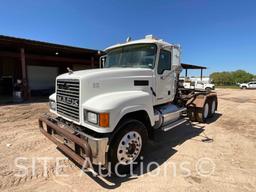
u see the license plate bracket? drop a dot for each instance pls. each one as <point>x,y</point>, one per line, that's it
<point>65,141</point>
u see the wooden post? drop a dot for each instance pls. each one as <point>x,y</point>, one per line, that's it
<point>1,69</point>
<point>201,74</point>
<point>92,62</point>
<point>186,73</point>
<point>24,74</point>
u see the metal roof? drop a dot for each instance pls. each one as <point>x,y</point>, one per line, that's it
<point>33,43</point>
<point>190,66</point>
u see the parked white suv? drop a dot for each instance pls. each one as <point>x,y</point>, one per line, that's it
<point>250,85</point>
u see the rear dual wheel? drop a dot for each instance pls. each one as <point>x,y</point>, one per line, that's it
<point>192,113</point>
<point>202,113</point>
<point>207,111</point>
<point>213,107</point>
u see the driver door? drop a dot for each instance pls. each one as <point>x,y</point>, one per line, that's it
<point>165,78</point>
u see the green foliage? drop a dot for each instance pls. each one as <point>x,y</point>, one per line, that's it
<point>231,78</point>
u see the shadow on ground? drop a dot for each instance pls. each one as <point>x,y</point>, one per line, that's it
<point>11,101</point>
<point>160,150</point>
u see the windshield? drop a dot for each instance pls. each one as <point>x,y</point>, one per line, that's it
<point>136,56</point>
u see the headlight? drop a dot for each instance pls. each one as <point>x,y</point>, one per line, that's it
<point>52,105</point>
<point>101,119</point>
<point>92,117</point>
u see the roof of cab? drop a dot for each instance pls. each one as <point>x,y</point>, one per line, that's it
<point>147,39</point>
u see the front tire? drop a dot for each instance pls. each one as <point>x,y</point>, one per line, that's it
<point>127,146</point>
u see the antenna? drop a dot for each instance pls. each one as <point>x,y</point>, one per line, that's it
<point>128,39</point>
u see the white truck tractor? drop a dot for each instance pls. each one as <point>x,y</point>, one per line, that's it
<point>106,115</point>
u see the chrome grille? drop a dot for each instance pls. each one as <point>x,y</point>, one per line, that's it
<point>68,98</point>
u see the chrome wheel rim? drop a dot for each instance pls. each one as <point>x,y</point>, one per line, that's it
<point>129,148</point>
<point>206,110</point>
<point>213,106</point>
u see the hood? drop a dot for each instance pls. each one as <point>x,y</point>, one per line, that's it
<point>100,81</point>
<point>106,72</point>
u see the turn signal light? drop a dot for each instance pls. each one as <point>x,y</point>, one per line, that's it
<point>104,120</point>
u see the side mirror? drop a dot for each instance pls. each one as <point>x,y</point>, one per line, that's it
<point>102,61</point>
<point>177,69</point>
<point>165,72</point>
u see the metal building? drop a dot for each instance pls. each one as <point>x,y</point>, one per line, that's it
<point>36,64</point>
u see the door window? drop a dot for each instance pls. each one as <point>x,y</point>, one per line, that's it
<point>164,61</point>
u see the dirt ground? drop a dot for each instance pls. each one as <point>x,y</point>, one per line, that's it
<point>226,146</point>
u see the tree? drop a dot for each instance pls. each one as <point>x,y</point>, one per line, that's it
<point>231,78</point>
<point>241,76</point>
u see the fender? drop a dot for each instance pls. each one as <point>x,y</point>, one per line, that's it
<point>118,104</point>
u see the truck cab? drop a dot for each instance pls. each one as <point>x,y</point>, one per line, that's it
<point>162,58</point>
<point>106,115</point>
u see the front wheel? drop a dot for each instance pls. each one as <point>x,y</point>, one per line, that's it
<point>127,146</point>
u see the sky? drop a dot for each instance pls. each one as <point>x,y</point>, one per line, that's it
<point>218,34</point>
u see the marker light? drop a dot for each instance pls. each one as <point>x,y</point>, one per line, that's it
<point>104,120</point>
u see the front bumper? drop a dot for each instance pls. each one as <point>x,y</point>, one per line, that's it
<point>75,144</point>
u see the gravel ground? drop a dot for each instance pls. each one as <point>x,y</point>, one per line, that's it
<point>219,155</point>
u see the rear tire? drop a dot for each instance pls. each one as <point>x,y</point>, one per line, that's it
<point>127,146</point>
<point>213,106</point>
<point>192,114</point>
<point>203,113</point>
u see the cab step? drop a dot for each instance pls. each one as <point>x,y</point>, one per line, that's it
<point>174,124</point>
